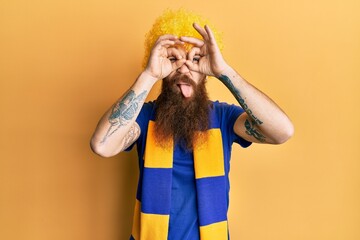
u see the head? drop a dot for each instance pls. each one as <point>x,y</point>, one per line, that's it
<point>182,107</point>
<point>179,23</point>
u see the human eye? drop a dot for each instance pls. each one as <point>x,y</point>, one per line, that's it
<point>172,59</point>
<point>196,59</point>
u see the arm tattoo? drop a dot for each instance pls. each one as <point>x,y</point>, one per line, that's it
<point>131,136</point>
<point>251,130</point>
<point>250,124</point>
<point>238,97</point>
<point>123,111</point>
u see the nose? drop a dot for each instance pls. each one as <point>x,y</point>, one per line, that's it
<point>183,69</point>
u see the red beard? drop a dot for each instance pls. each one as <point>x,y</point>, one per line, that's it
<point>183,119</point>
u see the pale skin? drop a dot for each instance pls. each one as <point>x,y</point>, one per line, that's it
<point>262,122</point>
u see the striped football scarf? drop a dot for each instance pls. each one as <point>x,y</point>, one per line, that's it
<point>152,212</point>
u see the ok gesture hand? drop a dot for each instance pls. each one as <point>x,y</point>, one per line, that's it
<point>211,61</point>
<point>159,66</point>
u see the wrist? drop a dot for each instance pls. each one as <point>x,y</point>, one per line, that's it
<point>148,76</point>
<point>226,71</point>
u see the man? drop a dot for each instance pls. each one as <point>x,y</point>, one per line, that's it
<point>183,139</point>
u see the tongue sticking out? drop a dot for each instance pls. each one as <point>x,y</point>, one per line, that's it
<point>186,90</point>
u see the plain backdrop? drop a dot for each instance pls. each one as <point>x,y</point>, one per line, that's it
<point>63,63</point>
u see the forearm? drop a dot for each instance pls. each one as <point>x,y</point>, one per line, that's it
<point>109,136</point>
<point>265,121</point>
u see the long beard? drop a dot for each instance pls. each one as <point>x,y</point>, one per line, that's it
<point>183,120</point>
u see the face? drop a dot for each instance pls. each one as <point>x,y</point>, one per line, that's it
<point>185,80</point>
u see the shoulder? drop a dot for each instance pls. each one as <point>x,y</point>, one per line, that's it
<point>215,105</point>
<point>225,108</point>
<point>148,108</point>
<point>149,105</point>
<point>223,114</point>
<point>147,113</point>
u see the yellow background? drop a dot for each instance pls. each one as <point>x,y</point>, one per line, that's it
<point>63,63</point>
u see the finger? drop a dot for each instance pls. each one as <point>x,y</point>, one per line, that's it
<point>167,37</point>
<point>171,42</point>
<point>194,51</point>
<point>201,31</point>
<point>211,35</point>
<point>165,43</point>
<point>174,52</point>
<point>192,66</point>
<point>194,41</point>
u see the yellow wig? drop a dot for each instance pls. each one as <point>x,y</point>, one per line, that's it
<point>179,23</point>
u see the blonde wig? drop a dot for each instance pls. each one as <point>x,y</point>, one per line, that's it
<point>178,23</point>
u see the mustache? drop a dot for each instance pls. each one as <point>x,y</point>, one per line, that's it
<point>181,78</point>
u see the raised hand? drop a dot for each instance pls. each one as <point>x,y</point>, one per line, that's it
<point>211,61</point>
<point>160,65</point>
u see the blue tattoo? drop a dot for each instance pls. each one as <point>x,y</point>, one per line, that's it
<point>252,131</point>
<point>226,80</point>
<point>123,111</point>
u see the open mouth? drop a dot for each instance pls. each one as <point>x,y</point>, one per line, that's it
<point>186,89</point>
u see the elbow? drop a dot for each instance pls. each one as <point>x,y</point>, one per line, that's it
<point>286,133</point>
<point>99,149</point>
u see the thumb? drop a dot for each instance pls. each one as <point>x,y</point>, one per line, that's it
<point>192,66</point>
